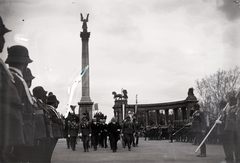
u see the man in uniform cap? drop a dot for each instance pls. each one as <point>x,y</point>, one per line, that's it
<point>85,133</point>
<point>127,131</point>
<point>73,130</point>
<point>11,131</point>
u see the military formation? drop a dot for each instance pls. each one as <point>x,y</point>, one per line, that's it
<point>30,125</point>
<point>97,133</point>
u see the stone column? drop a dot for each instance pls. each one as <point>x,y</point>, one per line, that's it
<point>184,113</point>
<point>175,111</point>
<point>166,115</point>
<point>85,61</point>
<point>85,104</point>
<point>158,117</point>
<point>147,118</point>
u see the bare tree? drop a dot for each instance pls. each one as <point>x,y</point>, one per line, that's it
<point>216,88</point>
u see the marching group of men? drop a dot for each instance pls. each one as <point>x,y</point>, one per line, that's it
<point>97,132</point>
<point>30,125</point>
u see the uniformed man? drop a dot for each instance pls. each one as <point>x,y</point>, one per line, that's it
<point>113,129</point>
<point>221,125</point>
<point>230,134</point>
<point>73,130</point>
<point>18,60</point>
<point>136,132</point>
<point>11,129</point>
<point>238,127</point>
<point>85,133</point>
<point>127,131</point>
<point>199,127</point>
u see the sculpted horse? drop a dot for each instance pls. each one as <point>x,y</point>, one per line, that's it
<point>116,96</point>
<point>125,96</point>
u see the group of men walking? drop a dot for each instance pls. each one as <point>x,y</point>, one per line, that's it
<point>97,132</point>
<point>30,126</point>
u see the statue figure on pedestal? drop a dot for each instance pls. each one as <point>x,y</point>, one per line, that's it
<point>84,26</point>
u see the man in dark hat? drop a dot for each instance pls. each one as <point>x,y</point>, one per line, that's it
<point>57,125</point>
<point>103,136</point>
<point>95,127</point>
<point>43,143</point>
<point>11,131</point>
<point>3,30</point>
<point>199,127</point>
<point>28,77</point>
<point>18,61</point>
<point>113,129</point>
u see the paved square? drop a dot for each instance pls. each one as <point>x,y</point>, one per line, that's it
<point>156,151</point>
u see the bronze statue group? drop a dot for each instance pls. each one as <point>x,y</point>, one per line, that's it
<point>30,125</point>
<point>97,132</point>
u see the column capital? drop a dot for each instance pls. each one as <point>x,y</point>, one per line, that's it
<point>85,35</point>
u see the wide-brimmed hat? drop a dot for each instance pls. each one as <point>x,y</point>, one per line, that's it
<point>3,29</point>
<point>18,54</point>
<point>39,92</point>
<point>52,98</point>
<point>27,75</point>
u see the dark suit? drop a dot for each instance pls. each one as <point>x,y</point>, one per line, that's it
<point>114,133</point>
<point>95,134</point>
<point>85,129</point>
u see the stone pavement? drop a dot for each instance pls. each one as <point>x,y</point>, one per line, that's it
<point>150,151</point>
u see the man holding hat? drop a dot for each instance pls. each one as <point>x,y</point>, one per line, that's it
<point>11,130</point>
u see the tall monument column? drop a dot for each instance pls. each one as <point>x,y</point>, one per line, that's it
<point>85,104</point>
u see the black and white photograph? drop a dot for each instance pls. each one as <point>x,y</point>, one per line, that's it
<point>119,81</point>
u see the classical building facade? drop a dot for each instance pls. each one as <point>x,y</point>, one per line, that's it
<point>162,112</point>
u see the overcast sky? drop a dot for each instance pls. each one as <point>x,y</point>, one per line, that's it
<point>156,49</point>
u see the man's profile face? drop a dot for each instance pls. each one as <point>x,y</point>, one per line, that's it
<point>2,42</point>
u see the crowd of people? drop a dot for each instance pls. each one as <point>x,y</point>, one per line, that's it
<point>30,125</point>
<point>97,132</point>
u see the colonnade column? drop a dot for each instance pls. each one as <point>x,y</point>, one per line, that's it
<point>158,117</point>
<point>147,117</point>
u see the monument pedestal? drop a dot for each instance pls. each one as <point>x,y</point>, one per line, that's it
<point>85,109</point>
